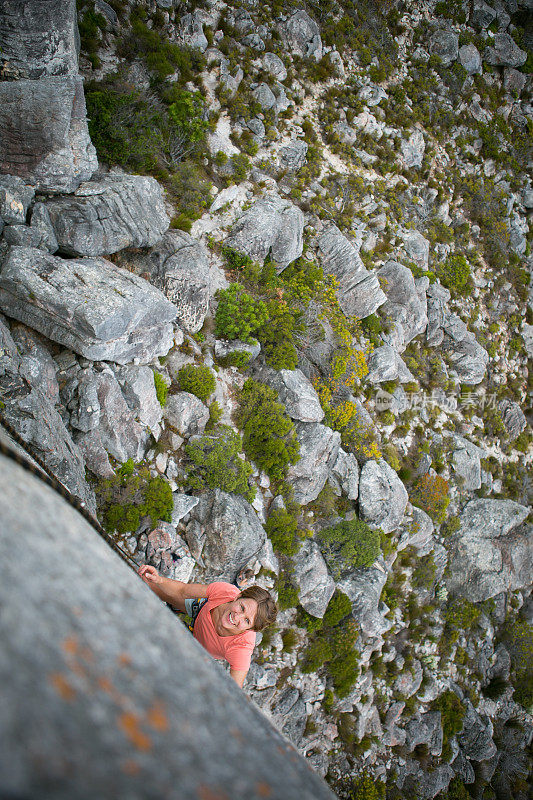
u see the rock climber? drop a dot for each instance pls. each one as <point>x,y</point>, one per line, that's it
<point>224,618</point>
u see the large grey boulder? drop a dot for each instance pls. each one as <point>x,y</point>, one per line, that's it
<point>301,35</point>
<point>109,214</point>
<point>319,448</point>
<point>425,729</point>
<point>475,740</point>
<point>513,418</point>
<point>292,156</point>
<point>467,463</point>
<point>233,534</point>
<point>358,292</point>
<point>468,358</point>
<point>42,226</point>
<point>178,265</point>
<point>406,308</point>
<point>312,579</point>
<point>96,309</point>
<point>271,225</point>
<point>482,14</point>
<point>273,64</point>
<point>296,392</point>
<point>138,388</point>
<point>382,496</point>
<point>364,587</point>
<point>344,476</point>
<point>103,685</point>
<point>417,248</point>
<point>29,392</point>
<point>470,59</point>
<point>38,39</point>
<point>264,95</point>
<point>15,199</point>
<point>505,52</point>
<point>437,309</point>
<point>52,150</point>
<point>186,413</point>
<point>445,45</point>
<point>490,553</point>
<point>192,30</point>
<point>385,364</point>
<point>413,149</point>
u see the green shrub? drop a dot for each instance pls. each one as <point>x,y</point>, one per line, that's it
<point>130,495</point>
<point>455,274</point>
<point>518,638</point>
<point>90,26</point>
<point>277,335</point>
<point>238,315</point>
<point>431,494</point>
<point>365,788</point>
<point>282,530</point>
<point>287,592</point>
<point>289,639</point>
<point>315,656</point>
<point>214,462</point>
<point>349,545</point>
<point>161,389</point>
<point>452,714</point>
<point>215,414</point>
<point>339,607</point>
<point>198,380</point>
<point>269,438</point>
<point>307,621</point>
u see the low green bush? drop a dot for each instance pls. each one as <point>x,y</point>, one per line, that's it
<point>214,463</point>
<point>349,545</point>
<point>431,494</point>
<point>130,495</point>
<point>268,433</point>
<point>198,380</point>
<point>339,607</point>
<point>455,274</point>
<point>161,389</point>
<point>238,314</point>
<point>287,592</point>
<point>282,530</point>
<point>452,713</point>
<point>518,638</point>
<point>277,335</point>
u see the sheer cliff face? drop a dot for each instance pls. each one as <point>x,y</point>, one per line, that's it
<point>317,374</point>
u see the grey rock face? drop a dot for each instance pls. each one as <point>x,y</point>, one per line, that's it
<point>372,95</point>
<point>426,729</point>
<point>294,726</point>
<point>293,155</point>
<point>470,59</point>
<point>513,81</point>
<point>183,503</point>
<point>438,298</point>
<point>468,357</point>
<point>445,45</point>
<point>179,266</point>
<point>230,82</point>
<point>319,447</point>
<point>138,388</point>
<point>359,292</point>
<point>40,224</point>
<point>466,463</point>
<point>409,682</point>
<point>513,418</point>
<point>107,215</point>
<point>233,534</point>
<point>21,236</point>
<point>301,34</point>
<point>186,413</point>
<point>345,475</point>
<point>427,785</point>
<point>192,31</point>
<point>38,39</point>
<point>29,394</point>
<point>311,577</point>
<point>490,553</point>
<point>475,740</point>
<point>273,64</point>
<point>505,52</point>
<point>51,151</point>
<point>482,14</point>
<point>118,634</point>
<point>364,587</point>
<point>382,496</point>
<point>15,199</point>
<point>385,364</point>
<point>413,149</point>
<point>270,224</point>
<point>417,248</point>
<point>405,307</point>
<point>168,553</point>
<point>94,308</point>
<point>264,95</point>
<point>224,348</point>
<point>297,394</point>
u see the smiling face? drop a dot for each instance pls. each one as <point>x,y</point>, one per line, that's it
<point>238,616</point>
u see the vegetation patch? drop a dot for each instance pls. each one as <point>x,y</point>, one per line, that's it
<point>214,463</point>
<point>198,380</point>
<point>349,545</point>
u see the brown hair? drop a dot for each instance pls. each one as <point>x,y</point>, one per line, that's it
<point>266,608</point>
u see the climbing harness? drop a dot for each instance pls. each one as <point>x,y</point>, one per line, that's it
<point>48,477</point>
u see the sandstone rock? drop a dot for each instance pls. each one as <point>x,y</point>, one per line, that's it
<point>88,305</point>
<point>467,356</point>
<point>470,59</point>
<point>445,45</point>
<point>417,248</point>
<point>425,729</point>
<point>385,364</point>
<point>37,365</point>
<point>168,553</point>
<point>466,462</point>
<point>264,95</point>
<point>233,534</point>
<point>345,475</point>
<point>359,292</point>
<point>413,149</point>
<point>409,682</point>
<point>438,298</point>
<point>192,31</point>
<point>311,577</point>
<point>505,52</point>
<point>109,214</point>
<point>138,389</point>
<point>482,15</point>
<point>301,35</point>
<point>51,151</point>
<point>273,64</point>
<point>297,394</point>
<point>382,496</point>
<point>38,39</point>
<point>186,413</point>
<point>513,418</point>
<point>475,740</point>
<point>490,553</point>
<point>364,587</point>
<point>272,225</point>
<point>183,504</point>
<point>42,226</point>
<point>405,307</point>
<point>319,447</point>
<point>292,156</point>
<point>294,726</point>
<point>15,199</point>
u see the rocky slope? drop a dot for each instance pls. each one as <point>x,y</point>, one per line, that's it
<point>283,326</point>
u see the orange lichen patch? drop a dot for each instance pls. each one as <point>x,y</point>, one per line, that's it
<point>156,717</point>
<point>124,660</point>
<point>70,645</point>
<point>130,767</point>
<point>87,654</point>
<point>62,686</point>
<point>206,793</point>
<point>105,685</point>
<point>236,733</point>
<point>131,727</point>
<point>263,789</point>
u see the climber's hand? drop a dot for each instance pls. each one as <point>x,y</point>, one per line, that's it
<point>150,574</point>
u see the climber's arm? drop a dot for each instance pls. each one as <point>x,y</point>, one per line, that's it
<point>238,676</point>
<point>173,592</point>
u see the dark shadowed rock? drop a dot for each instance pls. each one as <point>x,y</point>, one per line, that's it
<point>425,729</point>
<point>359,292</point>
<point>475,740</point>
<point>319,447</point>
<point>295,723</point>
<point>482,15</point>
<point>272,225</point>
<point>445,45</point>
<point>233,534</point>
<point>109,214</point>
<point>179,266</point>
<point>41,224</point>
<point>490,553</point>
<point>311,577</point>
<point>505,52</point>
<point>382,496</point>
<point>89,305</point>
<point>50,150</point>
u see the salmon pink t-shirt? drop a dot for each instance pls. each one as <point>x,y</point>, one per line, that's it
<point>236,650</point>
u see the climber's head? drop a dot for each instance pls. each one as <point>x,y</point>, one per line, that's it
<point>266,608</point>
